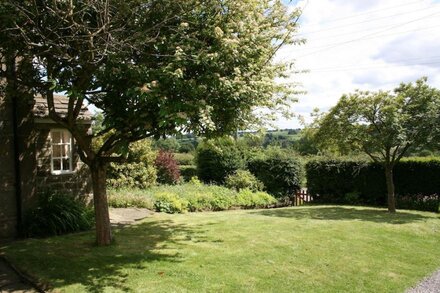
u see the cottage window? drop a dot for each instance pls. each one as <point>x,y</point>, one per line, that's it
<point>61,151</point>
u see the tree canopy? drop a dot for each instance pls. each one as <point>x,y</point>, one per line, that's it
<point>383,124</point>
<point>154,67</point>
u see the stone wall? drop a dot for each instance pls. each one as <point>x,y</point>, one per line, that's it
<point>76,184</point>
<point>8,208</point>
<point>34,168</point>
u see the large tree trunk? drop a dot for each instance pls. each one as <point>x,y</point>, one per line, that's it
<point>390,189</point>
<point>102,218</point>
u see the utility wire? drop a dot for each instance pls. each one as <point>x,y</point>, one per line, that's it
<point>335,69</point>
<point>369,12</point>
<point>369,35</point>
<point>366,21</point>
<point>367,38</point>
<point>430,58</point>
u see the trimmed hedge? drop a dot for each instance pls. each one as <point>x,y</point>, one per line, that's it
<point>184,159</point>
<point>280,173</point>
<point>217,158</point>
<point>188,172</point>
<point>417,183</point>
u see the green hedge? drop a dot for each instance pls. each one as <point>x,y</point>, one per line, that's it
<point>417,183</point>
<point>217,158</point>
<point>188,172</point>
<point>184,159</point>
<point>280,173</point>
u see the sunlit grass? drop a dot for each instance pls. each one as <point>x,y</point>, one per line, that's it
<point>305,249</point>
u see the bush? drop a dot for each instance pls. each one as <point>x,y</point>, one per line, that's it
<point>187,172</point>
<point>280,173</point>
<point>127,198</point>
<point>142,151</point>
<point>169,144</point>
<point>138,171</point>
<point>131,175</point>
<point>167,168</point>
<point>186,147</point>
<point>195,181</point>
<point>209,198</point>
<point>171,203</point>
<point>417,182</point>
<point>217,158</point>
<point>191,197</point>
<point>243,179</point>
<point>419,202</point>
<point>184,159</point>
<point>57,214</point>
<point>248,199</point>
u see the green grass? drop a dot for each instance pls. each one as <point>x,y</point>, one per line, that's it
<point>303,249</point>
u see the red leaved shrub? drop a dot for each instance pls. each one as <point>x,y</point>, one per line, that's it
<point>167,168</point>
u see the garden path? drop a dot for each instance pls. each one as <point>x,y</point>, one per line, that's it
<point>126,216</point>
<point>429,285</point>
<point>11,281</point>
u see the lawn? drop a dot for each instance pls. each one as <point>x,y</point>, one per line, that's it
<point>300,249</point>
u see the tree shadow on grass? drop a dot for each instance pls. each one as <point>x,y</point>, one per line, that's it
<point>344,213</point>
<point>74,259</point>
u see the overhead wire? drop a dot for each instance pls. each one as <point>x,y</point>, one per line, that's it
<point>368,20</point>
<point>369,12</point>
<point>335,69</point>
<point>367,38</point>
<point>368,35</point>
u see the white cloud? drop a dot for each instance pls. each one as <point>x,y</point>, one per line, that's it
<point>368,45</point>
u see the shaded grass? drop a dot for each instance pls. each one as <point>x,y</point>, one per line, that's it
<point>304,249</point>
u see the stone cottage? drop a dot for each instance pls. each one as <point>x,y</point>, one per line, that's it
<point>36,155</point>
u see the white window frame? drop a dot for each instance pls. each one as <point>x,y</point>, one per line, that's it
<point>70,157</point>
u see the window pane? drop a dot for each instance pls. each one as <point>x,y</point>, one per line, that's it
<point>66,137</point>
<point>56,136</point>
<point>66,151</point>
<point>61,150</point>
<point>66,164</point>
<point>56,150</point>
<point>56,164</point>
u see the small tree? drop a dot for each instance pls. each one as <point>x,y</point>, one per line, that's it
<point>384,125</point>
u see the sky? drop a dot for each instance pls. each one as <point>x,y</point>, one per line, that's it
<point>358,44</point>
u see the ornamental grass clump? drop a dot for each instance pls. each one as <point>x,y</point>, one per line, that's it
<point>57,214</point>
